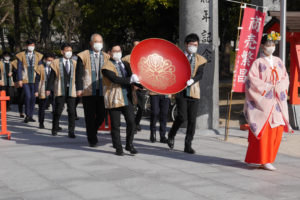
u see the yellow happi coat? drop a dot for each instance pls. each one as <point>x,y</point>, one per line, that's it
<point>42,84</point>
<point>3,78</point>
<point>195,88</point>
<point>87,76</point>
<point>113,94</point>
<point>22,58</point>
<point>57,83</point>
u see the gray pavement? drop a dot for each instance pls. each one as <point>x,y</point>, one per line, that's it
<point>36,165</point>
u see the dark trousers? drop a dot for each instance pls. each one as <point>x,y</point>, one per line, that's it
<point>94,114</point>
<point>21,99</point>
<point>115,115</point>
<point>141,101</point>
<point>43,103</point>
<point>187,110</point>
<point>29,99</point>
<point>76,104</point>
<point>9,90</point>
<point>159,109</point>
<point>59,106</point>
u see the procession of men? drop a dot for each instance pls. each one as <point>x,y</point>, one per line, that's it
<point>106,85</point>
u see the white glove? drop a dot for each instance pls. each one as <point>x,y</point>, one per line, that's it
<point>134,79</point>
<point>190,82</point>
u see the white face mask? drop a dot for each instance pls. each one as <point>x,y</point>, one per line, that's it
<point>30,48</point>
<point>117,56</point>
<point>98,46</point>
<point>68,54</point>
<point>192,49</point>
<point>269,50</point>
<point>6,58</point>
<point>48,63</point>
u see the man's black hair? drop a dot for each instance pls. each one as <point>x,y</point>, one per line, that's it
<point>48,55</point>
<point>193,37</point>
<point>6,53</point>
<point>113,44</point>
<point>64,45</point>
<point>30,41</point>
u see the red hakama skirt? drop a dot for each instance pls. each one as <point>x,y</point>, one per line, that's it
<point>264,149</point>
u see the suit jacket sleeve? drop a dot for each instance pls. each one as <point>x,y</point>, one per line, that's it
<point>51,80</point>
<point>79,74</point>
<point>114,78</point>
<point>19,72</point>
<point>199,73</point>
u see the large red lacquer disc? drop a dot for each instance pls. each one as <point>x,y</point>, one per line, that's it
<point>160,65</point>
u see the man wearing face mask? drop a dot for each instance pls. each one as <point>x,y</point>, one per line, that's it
<point>117,79</point>
<point>89,86</point>
<point>188,99</point>
<point>266,109</point>
<point>6,76</point>
<point>28,61</point>
<point>43,73</point>
<point>62,82</point>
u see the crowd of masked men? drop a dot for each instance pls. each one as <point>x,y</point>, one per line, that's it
<point>105,83</point>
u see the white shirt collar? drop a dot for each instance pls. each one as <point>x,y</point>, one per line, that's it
<point>64,60</point>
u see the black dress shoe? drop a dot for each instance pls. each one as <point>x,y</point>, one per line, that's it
<point>71,135</point>
<point>26,120</point>
<point>119,151</point>
<point>152,137</point>
<point>131,149</point>
<point>22,115</point>
<point>93,144</point>
<point>189,149</point>
<point>163,140</point>
<point>138,128</point>
<point>59,128</point>
<point>170,142</point>
<point>42,126</point>
<point>31,119</point>
<point>54,132</point>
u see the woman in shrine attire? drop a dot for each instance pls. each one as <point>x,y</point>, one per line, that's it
<point>265,106</point>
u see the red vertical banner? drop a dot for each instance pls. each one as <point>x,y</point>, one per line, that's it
<point>248,47</point>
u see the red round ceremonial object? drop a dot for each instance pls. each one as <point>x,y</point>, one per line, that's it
<point>160,65</point>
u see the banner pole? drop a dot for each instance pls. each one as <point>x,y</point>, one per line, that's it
<point>231,92</point>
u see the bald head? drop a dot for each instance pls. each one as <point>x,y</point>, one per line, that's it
<point>96,42</point>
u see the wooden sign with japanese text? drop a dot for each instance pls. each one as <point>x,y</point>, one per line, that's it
<point>248,47</point>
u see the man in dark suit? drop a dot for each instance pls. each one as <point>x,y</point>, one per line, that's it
<point>62,82</point>
<point>117,79</point>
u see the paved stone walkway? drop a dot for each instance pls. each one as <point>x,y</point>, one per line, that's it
<point>35,165</point>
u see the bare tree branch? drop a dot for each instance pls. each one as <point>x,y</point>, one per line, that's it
<point>4,18</point>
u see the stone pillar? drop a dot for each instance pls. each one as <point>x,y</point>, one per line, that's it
<point>201,17</point>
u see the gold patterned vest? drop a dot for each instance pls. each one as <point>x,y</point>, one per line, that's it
<point>55,65</point>
<point>4,74</point>
<point>113,94</point>
<point>85,56</point>
<point>194,90</point>
<point>22,58</point>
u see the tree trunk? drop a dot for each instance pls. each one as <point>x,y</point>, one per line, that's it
<point>17,33</point>
<point>2,39</point>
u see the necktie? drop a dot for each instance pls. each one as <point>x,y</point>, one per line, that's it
<point>97,65</point>
<point>67,67</point>
<point>123,71</point>
<point>190,57</point>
